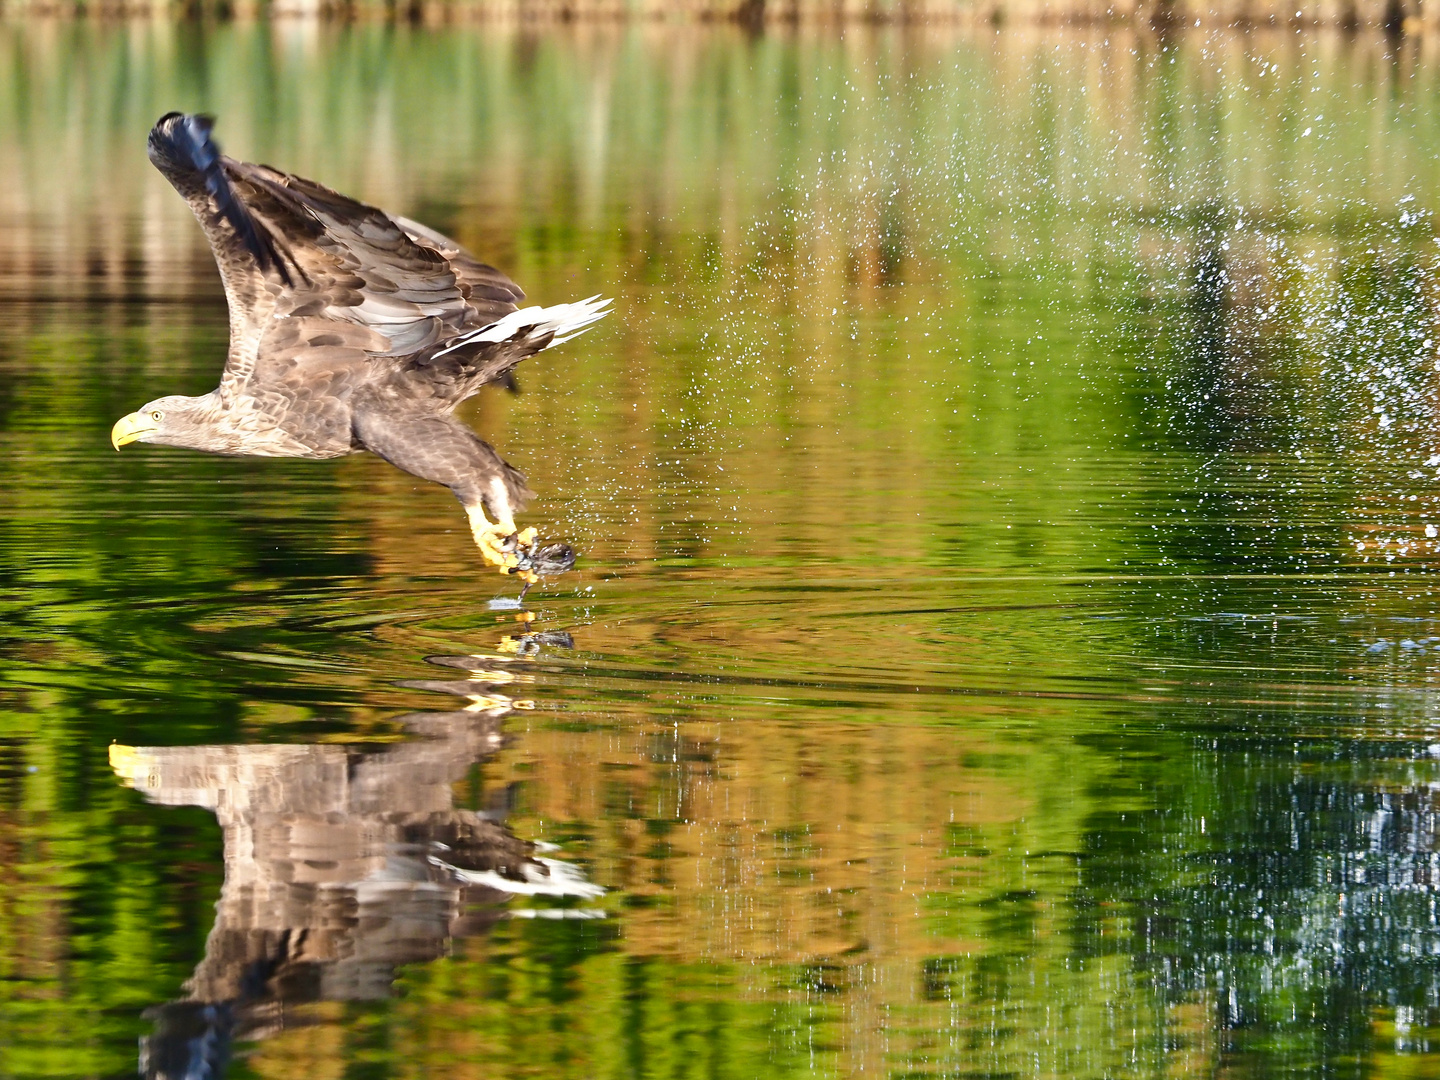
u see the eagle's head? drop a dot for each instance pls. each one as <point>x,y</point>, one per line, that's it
<point>169,421</point>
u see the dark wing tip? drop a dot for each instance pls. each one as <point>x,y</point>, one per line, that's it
<point>181,142</point>
<point>181,139</point>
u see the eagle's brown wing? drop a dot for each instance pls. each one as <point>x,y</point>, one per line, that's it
<point>321,287</point>
<point>490,292</point>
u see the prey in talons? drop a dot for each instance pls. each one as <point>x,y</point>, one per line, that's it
<point>518,551</point>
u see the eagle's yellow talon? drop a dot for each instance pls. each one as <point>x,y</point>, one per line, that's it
<point>492,538</point>
<point>503,546</point>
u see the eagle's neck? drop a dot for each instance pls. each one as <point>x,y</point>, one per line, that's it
<point>191,422</point>
<point>209,408</point>
<point>236,425</point>
<point>209,423</point>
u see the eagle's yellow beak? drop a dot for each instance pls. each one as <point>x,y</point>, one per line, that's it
<point>127,762</point>
<point>129,428</point>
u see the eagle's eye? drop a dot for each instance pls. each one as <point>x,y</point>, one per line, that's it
<point>157,415</point>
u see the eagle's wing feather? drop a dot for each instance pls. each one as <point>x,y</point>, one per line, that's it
<point>491,293</point>
<point>320,286</point>
<point>246,250</point>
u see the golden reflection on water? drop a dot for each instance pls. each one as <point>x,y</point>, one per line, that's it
<point>845,858</point>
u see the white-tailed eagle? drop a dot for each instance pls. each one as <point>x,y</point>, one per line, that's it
<point>352,329</point>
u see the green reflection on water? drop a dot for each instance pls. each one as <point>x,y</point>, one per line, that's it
<point>1004,640</point>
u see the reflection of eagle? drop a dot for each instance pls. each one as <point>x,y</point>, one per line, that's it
<point>341,864</point>
<point>351,330</point>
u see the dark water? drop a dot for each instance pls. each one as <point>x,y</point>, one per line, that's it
<point>1006,639</point>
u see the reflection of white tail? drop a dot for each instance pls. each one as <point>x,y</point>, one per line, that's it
<point>565,321</point>
<point>313,789</point>
<point>563,879</point>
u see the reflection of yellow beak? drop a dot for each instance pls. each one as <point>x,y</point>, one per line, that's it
<point>129,763</point>
<point>129,428</point>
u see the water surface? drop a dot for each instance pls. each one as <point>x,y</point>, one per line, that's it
<point>1005,639</point>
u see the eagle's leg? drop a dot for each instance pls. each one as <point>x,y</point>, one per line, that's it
<point>440,448</point>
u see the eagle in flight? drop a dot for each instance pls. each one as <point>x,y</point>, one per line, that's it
<point>352,329</point>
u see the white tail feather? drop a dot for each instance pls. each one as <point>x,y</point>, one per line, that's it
<point>557,878</point>
<point>565,320</point>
